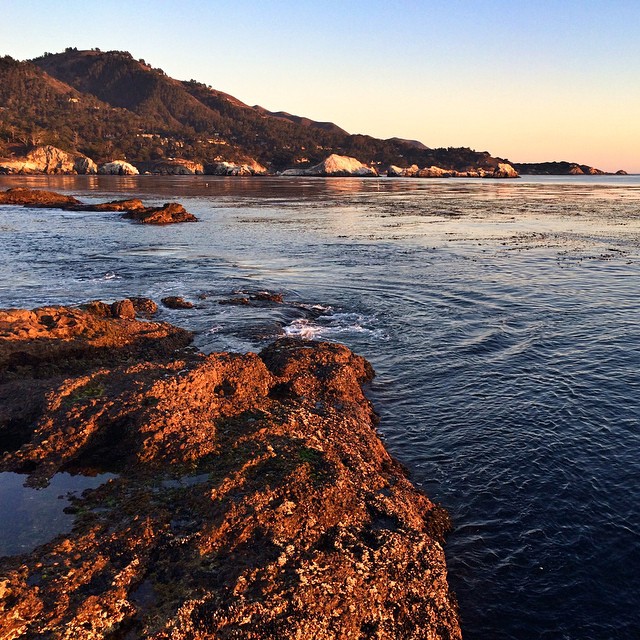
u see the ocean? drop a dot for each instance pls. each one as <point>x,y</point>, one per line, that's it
<point>502,318</point>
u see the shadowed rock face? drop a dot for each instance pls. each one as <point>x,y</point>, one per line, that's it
<point>253,497</point>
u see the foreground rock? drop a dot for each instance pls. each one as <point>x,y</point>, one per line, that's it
<point>253,498</point>
<point>132,209</point>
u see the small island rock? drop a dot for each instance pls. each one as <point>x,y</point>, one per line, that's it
<point>118,168</point>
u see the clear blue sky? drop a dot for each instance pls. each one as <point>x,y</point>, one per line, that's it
<point>528,80</point>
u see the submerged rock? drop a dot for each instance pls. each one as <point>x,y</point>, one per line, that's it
<point>253,496</point>
<point>132,204</point>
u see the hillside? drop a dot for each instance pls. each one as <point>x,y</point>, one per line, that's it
<point>107,105</point>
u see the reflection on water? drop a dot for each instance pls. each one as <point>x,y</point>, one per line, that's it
<point>35,516</point>
<point>502,320</point>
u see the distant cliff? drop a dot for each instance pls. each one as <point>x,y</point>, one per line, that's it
<point>107,105</point>
<point>558,169</point>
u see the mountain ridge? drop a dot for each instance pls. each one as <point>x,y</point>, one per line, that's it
<point>108,105</point>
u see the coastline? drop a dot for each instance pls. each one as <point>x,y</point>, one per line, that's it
<point>251,493</point>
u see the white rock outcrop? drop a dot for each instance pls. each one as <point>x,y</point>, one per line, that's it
<point>335,165</point>
<point>118,168</point>
<point>250,168</point>
<point>434,172</point>
<point>505,170</point>
<point>49,159</point>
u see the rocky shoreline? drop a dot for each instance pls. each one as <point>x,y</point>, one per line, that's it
<point>251,495</point>
<point>50,160</point>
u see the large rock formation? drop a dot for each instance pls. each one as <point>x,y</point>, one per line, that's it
<point>49,159</point>
<point>118,168</point>
<point>505,170</point>
<point>252,496</point>
<point>224,168</point>
<point>335,165</point>
<point>178,167</point>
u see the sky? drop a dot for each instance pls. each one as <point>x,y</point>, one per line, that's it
<point>527,80</point>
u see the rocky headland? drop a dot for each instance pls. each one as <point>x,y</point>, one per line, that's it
<point>131,209</point>
<point>250,495</point>
<point>561,168</point>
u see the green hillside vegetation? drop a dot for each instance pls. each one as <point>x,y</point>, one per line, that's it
<point>108,105</point>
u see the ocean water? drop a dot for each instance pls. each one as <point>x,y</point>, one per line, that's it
<point>502,318</point>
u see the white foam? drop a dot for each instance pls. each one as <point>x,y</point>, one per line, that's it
<point>334,325</point>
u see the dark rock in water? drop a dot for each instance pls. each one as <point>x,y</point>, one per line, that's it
<point>253,496</point>
<point>169,213</point>
<point>36,197</point>
<point>144,306</point>
<point>134,209</point>
<point>176,302</point>
<point>260,296</point>
<point>621,172</point>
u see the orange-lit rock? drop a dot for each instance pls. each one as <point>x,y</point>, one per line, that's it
<point>253,498</point>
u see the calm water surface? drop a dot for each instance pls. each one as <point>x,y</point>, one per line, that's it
<point>502,318</point>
